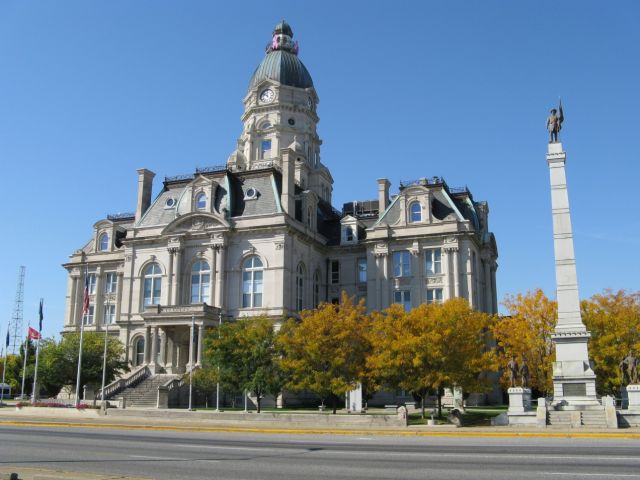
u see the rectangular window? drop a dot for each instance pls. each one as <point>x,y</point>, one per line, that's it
<point>403,297</point>
<point>362,270</point>
<point>402,263</point>
<point>434,295</point>
<point>92,284</point>
<point>88,318</point>
<point>433,257</point>
<point>335,272</point>
<point>111,283</point>
<point>265,149</point>
<point>109,314</point>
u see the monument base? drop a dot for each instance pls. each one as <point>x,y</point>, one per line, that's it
<point>519,399</point>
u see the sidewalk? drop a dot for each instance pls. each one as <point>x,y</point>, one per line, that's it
<point>209,421</point>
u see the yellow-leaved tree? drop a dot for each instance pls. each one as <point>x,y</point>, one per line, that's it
<point>432,347</point>
<point>324,352</point>
<point>527,332</point>
<point>614,322</point>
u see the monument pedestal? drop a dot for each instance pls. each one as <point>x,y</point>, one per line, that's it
<point>519,412</point>
<point>519,399</point>
<point>633,398</point>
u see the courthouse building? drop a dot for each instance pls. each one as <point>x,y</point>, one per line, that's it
<point>259,235</point>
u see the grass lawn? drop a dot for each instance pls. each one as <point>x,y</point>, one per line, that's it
<point>473,416</point>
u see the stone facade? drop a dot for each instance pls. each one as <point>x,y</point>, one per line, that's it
<point>259,236</point>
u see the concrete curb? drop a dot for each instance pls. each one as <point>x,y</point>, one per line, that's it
<point>409,431</point>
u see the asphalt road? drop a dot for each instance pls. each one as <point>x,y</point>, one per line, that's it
<point>184,455</point>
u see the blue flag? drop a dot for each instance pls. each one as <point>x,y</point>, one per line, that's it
<point>7,337</point>
<point>41,315</point>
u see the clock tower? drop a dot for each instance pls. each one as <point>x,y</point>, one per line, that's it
<point>280,113</point>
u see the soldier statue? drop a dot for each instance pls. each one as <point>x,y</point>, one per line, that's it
<point>554,123</point>
<point>632,368</point>
<point>513,370</point>
<point>524,373</point>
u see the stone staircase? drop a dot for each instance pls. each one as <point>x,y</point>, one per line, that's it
<point>577,418</point>
<point>145,393</point>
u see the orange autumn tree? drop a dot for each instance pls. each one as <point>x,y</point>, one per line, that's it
<point>324,352</point>
<point>432,347</point>
<point>527,332</point>
<point>614,322</point>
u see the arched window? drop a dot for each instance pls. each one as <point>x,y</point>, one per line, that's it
<point>300,287</point>
<point>415,212</point>
<point>103,242</point>
<point>252,282</point>
<point>152,284</point>
<point>201,201</point>
<point>316,289</point>
<point>138,354</point>
<point>200,279</point>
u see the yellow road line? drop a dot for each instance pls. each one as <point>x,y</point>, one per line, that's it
<point>407,433</point>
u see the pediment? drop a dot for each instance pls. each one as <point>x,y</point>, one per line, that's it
<point>196,222</point>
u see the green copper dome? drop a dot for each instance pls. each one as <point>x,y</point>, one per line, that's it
<point>281,62</point>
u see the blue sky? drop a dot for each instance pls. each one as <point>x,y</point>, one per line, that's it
<point>90,91</point>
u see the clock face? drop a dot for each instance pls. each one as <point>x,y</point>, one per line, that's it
<point>310,103</point>
<point>267,96</point>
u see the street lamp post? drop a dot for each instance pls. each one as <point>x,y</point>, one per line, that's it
<point>103,404</point>
<point>218,382</point>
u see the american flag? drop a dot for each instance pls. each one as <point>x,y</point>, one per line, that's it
<point>85,298</point>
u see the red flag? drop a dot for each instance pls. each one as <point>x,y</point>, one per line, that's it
<point>33,334</point>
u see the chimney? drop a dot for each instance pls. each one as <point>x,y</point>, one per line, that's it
<point>383,195</point>
<point>288,185</point>
<point>145,186</point>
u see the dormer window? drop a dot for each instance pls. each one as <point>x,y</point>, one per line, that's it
<point>348,233</point>
<point>103,242</point>
<point>415,212</point>
<point>201,201</point>
<point>265,149</point>
<point>266,125</point>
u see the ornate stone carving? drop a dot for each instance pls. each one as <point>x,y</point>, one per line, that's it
<point>381,249</point>
<point>197,224</point>
<point>434,280</point>
<point>279,245</point>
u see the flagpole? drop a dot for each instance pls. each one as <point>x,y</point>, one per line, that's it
<point>4,371</point>
<point>25,351</point>
<point>34,394</point>
<point>85,312</point>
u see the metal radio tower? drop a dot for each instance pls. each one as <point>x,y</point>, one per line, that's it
<point>15,324</point>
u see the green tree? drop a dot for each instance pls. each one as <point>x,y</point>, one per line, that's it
<point>59,361</point>
<point>614,322</point>
<point>243,355</point>
<point>325,351</point>
<point>15,365</point>
<point>526,331</point>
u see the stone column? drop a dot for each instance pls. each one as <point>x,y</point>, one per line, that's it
<point>177,272</point>
<point>147,336</point>
<point>212,275</point>
<point>378,282</point>
<point>163,347</point>
<point>170,279</point>
<point>199,353</point>
<point>494,290</point>
<point>456,273</point>
<point>220,278</point>
<point>118,296</point>
<point>154,350</point>
<point>98,307</point>
<point>488,287</point>
<point>573,377</point>
<point>74,306</point>
<point>470,272</point>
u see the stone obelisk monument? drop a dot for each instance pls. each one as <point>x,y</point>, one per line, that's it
<point>574,382</point>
